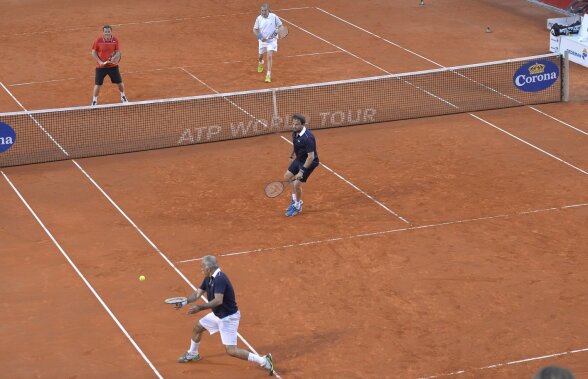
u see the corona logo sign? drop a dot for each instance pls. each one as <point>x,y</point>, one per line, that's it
<point>7,137</point>
<point>536,76</point>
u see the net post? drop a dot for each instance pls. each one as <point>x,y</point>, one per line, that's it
<point>566,77</point>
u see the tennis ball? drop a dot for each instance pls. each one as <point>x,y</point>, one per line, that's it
<point>142,278</point>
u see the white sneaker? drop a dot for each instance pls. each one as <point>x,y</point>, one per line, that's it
<point>94,103</point>
<point>123,99</point>
<point>269,364</point>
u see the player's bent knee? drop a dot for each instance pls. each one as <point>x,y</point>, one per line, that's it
<point>231,350</point>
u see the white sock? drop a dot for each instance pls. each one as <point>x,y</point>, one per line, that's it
<point>269,73</point>
<point>294,197</point>
<point>95,98</point>
<point>122,94</point>
<point>256,358</point>
<point>193,347</point>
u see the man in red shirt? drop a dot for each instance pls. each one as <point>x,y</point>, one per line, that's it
<point>106,52</point>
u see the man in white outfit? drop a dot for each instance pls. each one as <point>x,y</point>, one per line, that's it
<point>266,29</point>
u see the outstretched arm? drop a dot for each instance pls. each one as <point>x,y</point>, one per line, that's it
<point>218,300</point>
<point>195,296</point>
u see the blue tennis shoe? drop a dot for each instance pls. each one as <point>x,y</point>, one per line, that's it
<point>293,211</point>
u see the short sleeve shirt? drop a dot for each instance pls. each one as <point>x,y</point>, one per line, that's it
<point>104,49</point>
<point>304,143</point>
<point>219,283</point>
<point>268,26</point>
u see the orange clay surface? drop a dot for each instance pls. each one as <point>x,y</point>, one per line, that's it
<point>489,267</point>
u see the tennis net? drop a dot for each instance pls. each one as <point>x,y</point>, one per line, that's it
<point>69,133</point>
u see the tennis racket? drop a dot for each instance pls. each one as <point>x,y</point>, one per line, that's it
<point>115,57</point>
<point>281,33</point>
<point>274,189</point>
<point>178,301</point>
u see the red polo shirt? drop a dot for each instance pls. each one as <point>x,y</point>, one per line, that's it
<point>104,49</point>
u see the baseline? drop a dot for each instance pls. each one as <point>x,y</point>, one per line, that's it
<point>496,365</point>
<point>146,22</point>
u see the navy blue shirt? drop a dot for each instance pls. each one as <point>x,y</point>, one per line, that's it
<point>304,144</point>
<point>220,284</point>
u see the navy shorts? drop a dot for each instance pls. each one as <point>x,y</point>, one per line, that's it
<point>295,168</point>
<point>112,72</point>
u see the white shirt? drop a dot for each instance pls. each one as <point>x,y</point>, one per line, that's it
<point>267,26</point>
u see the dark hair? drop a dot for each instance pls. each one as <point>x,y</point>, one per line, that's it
<point>299,117</point>
<point>107,27</point>
<point>554,372</point>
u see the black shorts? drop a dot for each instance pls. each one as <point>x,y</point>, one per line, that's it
<point>295,168</point>
<point>112,72</point>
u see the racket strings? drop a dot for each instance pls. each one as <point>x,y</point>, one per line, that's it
<point>274,189</point>
<point>175,300</point>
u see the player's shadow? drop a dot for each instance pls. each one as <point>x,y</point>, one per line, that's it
<point>301,346</point>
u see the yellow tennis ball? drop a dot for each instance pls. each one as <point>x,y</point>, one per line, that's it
<point>142,278</point>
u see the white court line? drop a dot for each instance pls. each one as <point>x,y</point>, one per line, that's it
<point>336,174</point>
<point>35,120</point>
<point>288,56</point>
<point>389,231</point>
<point>169,262</point>
<point>146,22</point>
<point>153,245</point>
<point>359,190</point>
<point>163,69</point>
<point>309,54</point>
<point>86,282</point>
<point>371,64</point>
<point>560,121</point>
<point>433,62</point>
<point>551,155</point>
<point>530,144</point>
<point>506,363</point>
<point>382,38</point>
<point>225,98</point>
<point>471,114</point>
<point>42,82</point>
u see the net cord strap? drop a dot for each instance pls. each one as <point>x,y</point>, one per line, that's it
<point>278,89</point>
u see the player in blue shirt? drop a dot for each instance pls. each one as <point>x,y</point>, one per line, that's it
<point>224,317</point>
<point>303,160</point>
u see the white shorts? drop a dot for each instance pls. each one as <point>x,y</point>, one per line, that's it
<point>228,326</point>
<point>271,45</point>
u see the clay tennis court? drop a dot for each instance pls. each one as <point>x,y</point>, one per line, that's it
<point>451,246</point>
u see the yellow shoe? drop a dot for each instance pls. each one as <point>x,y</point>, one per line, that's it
<point>260,67</point>
<point>268,79</point>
